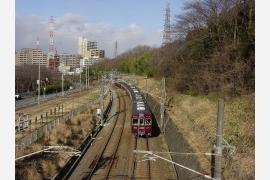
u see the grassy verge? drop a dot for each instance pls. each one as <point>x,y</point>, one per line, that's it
<point>195,117</point>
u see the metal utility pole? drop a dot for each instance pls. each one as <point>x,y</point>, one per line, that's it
<point>101,98</point>
<point>85,77</point>
<point>115,49</point>
<point>38,81</point>
<point>37,44</point>
<point>62,82</point>
<point>80,79</point>
<point>146,88</point>
<point>88,83</point>
<point>86,73</point>
<point>162,105</point>
<point>44,89</point>
<point>219,139</point>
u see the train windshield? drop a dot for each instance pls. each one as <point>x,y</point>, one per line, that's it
<point>147,121</point>
<point>141,121</point>
<point>135,121</point>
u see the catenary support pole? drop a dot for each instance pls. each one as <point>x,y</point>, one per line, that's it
<point>162,105</point>
<point>62,83</point>
<point>219,138</point>
<point>101,100</point>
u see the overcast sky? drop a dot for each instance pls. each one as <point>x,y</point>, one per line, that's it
<point>129,22</point>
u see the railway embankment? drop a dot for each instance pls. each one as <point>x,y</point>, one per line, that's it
<point>195,117</point>
<point>176,143</point>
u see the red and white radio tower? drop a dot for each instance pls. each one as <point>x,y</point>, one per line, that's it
<point>51,38</point>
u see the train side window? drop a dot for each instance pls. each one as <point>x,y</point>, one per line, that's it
<point>141,121</point>
<point>135,121</point>
<point>148,121</point>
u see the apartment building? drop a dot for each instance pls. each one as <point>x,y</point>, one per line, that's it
<point>31,56</point>
<point>95,53</point>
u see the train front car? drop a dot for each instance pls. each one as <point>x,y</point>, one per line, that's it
<point>141,116</point>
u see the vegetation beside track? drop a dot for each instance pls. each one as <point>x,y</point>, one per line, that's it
<point>195,117</point>
<point>71,134</point>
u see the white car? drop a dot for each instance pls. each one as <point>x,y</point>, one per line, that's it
<point>18,97</point>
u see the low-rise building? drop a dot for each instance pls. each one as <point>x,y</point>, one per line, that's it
<point>71,60</point>
<point>96,53</point>
<point>89,61</point>
<point>55,62</point>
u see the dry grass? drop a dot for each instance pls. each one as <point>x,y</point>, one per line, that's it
<point>70,102</point>
<point>70,134</point>
<point>195,117</point>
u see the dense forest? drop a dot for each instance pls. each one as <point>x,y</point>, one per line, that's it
<point>213,50</point>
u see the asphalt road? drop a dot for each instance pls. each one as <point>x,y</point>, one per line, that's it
<point>29,101</point>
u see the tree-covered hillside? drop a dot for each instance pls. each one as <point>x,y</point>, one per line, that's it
<point>214,50</point>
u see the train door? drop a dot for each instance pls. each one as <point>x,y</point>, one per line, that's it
<point>141,128</point>
<point>135,125</point>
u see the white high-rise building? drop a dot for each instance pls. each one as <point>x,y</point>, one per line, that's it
<point>88,50</point>
<point>82,50</point>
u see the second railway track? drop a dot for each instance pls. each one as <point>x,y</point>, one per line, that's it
<point>106,158</point>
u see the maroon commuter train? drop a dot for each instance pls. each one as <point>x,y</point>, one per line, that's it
<point>141,117</point>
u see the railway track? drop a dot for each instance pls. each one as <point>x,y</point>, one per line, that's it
<point>110,149</point>
<point>100,157</point>
<point>141,166</point>
<point>111,155</point>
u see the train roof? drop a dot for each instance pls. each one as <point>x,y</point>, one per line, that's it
<point>139,103</point>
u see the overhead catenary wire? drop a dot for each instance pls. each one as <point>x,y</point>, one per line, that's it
<point>183,153</point>
<point>49,149</point>
<point>177,164</point>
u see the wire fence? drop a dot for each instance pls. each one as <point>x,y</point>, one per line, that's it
<point>47,127</point>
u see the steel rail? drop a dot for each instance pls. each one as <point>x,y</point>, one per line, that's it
<point>97,160</point>
<point>118,142</point>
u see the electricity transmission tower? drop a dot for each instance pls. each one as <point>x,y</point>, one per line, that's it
<point>167,26</point>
